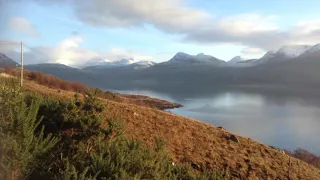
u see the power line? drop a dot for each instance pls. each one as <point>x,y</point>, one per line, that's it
<point>9,42</point>
<point>37,51</point>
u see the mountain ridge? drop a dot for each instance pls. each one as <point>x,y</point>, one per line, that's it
<point>193,71</point>
<point>201,58</point>
<point>5,61</point>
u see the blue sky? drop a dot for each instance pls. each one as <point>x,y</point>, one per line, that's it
<point>77,33</point>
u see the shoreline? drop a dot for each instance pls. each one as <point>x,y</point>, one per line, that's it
<point>151,102</point>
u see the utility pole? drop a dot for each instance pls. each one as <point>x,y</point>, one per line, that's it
<point>21,78</point>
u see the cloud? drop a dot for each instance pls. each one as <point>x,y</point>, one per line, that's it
<point>68,52</point>
<point>23,26</point>
<point>305,32</point>
<point>193,24</point>
<point>4,13</point>
<point>117,54</point>
<point>167,15</point>
<point>248,30</point>
<point>249,53</point>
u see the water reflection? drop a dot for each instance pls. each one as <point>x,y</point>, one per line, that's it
<point>282,121</point>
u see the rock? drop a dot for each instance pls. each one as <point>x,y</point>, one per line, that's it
<point>234,138</point>
<point>196,166</point>
<point>77,103</point>
<point>272,147</point>
<point>221,128</point>
<point>135,114</point>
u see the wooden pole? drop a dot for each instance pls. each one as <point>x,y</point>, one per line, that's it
<point>21,78</point>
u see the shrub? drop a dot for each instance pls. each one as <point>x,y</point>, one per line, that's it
<point>83,116</point>
<point>116,157</point>
<point>23,145</point>
<point>9,70</point>
<point>306,156</point>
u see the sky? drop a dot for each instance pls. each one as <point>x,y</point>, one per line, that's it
<point>81,33</point>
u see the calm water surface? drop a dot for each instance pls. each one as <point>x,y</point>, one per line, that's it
<point>284,122</point>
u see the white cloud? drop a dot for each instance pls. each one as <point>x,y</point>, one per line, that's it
<point>69,52</point>
<point>167,15</point>
<point>172,16</point>
<point>248,53</point>
<point>246,24</point>
<point>193,24</point>
<point>4,14</point>
<point>23,26</point>
<point>117,54</point>
<point>176,16</point>
<point>251,30</point>
<point>306,27</point>
<point>305,32</point>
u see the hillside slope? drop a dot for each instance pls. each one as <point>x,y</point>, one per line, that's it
<point>5,61</point>
<point>203,145</point>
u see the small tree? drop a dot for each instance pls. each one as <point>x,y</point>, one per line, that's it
<point>23,144</point>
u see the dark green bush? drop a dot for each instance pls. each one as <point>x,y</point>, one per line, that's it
<point>23,145</point>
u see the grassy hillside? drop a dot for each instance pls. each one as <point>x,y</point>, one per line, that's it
<point>192,143</point>
<point>48,137</point>
<point>75,86</point>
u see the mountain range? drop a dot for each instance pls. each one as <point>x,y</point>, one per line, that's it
<point>123,63</point>
<point>291,67</point>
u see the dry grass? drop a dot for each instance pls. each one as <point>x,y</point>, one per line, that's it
<point>60,84</point>
<point>148,101</point>
<point>196,142</point>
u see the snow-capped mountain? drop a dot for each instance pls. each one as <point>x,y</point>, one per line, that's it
<point>121,62</point>
<point>269,55</point>
<point>186,59</point>
<point>142,64</point>
<point>312,51</point>
<point>145,63</point>
<point>124,64</point>
<point>283,54</point>
<point>181,56</point>
<point>235,60</point>
<point>110,64</point>
<point>293,51</point>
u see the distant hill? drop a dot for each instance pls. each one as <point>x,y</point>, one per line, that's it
<point>7,62</point>
<point>64,72</point>
<point>291,66</point>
